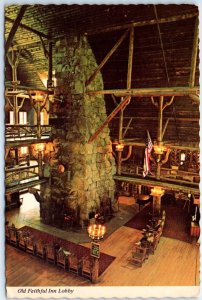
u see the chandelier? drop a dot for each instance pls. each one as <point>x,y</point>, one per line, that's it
<point>96,231</point>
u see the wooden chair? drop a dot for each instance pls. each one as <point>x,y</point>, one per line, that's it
<point>7,233</point>
<point>86,267</point>
<point>61,258</point>
<point>30,245</point>
<point>146,244</point>
<point>13,236</point>
<point>40,249</point>
<point>21,240</point>
<point>154,243</point>
<point>138,256</point>
<point>74,263</point>
<point>51,253</point>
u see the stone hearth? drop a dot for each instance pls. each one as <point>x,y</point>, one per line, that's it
<point>84,182</point>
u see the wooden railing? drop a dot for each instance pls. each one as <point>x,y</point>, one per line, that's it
<point>23,132</point>
<point>20,175</point>
<point>174,175</point>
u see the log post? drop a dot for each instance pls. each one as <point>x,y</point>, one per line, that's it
<point>120,139</point>
<point>159,135</point>
<point>130,58</point>
<point>194,54</point>
<point>13,61</point>
<point>160,120</point>
<point>40,164</point>
<point>50,65</point>
<point>157,205</point>
<point>38,117</point>
<point>157,192</point>
<point>95,270</point>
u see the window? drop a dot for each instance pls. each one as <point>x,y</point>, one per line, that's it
<point>11,117</point>
<point>23,117</point>
<point>42,118</point>
<point>24,150</point>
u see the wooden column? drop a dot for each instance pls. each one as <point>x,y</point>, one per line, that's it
<point>13,61</point>
<point>95,270</point>
<point>38,117</point>
<point>40,164</point>
<point>129,79</point>
<point>159,135</point>
<point>50,65</point>
<point>15,27</point>
<point>157,193</point>
<point>120,139</point>
<point>194,55</point>
<point>130,58</point>
<point>157,205</point>
<point>160,120</point>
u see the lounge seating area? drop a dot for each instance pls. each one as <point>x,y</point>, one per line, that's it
<point>149,242</point>
<point>51,252</point>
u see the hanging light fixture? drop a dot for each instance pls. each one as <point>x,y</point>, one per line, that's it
<point>96,231</point>
<point>119,147</point>
<point>157,191</point>
<point>159,148</point>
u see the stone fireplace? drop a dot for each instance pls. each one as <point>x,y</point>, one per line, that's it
<point>81,173</point>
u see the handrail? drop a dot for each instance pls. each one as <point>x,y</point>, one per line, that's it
<point>15,176</point>
<point>23,131</point>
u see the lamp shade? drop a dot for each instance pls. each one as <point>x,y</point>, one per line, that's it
<point>61,169</point>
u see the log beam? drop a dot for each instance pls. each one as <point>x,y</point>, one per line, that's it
<point>147,92</point>
<point>146,23</point>
<point>130,58</point>
<point>107,57</point>
<point>191,146</point>
<point>194,55</point>
<point>127,127</point>
<point>15,27</point>
<point>7,19</point>
<point>109,118</point>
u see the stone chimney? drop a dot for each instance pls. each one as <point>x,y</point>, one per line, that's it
<point>85,176</point>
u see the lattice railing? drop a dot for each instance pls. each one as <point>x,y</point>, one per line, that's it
<point>20,132</point>
<point>21,174</point>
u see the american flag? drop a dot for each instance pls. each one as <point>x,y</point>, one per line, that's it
<point>148,149</point>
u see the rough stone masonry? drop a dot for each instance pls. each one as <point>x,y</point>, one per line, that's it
<point>89,167</point>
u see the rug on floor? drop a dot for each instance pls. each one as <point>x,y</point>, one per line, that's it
<point>177,221</point>
<point>104,261</point>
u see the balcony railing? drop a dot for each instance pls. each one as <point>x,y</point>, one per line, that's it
<point>173,175</point>
<point>19,175</point>
<point>26,132</point>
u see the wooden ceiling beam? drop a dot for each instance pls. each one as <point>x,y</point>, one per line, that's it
<point>106,58</point>
<point>181,146</point>
<point>147,92</point>
<point>144,118</point>
<point>28,28</point>
<point>109,118</point>
<point>14,28</point>
<point>145,23</point>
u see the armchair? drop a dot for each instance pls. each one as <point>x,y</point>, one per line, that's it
<point>86,267</point>
<point>40,249</point>
<point>138,256</point>
<point>51,253</point>
<point>74,263</point>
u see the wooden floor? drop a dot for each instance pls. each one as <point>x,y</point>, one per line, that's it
<point>175,263</point>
